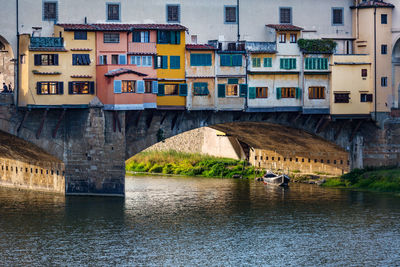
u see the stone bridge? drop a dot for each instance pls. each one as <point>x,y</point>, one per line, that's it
<point>93,144</point>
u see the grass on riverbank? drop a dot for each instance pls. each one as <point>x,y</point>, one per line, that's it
<point>383,179</point>
<point>173,162</point>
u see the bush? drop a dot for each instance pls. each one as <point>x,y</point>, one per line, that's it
<point>156,168</point>
<point>317,45</point>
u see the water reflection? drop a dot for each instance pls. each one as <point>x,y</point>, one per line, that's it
<point>190,221</point>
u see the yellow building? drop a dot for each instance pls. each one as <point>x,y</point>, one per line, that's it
<point>58,71</point>
<point>351,85</point>
<point>172,89</point>
<point>372,26</point>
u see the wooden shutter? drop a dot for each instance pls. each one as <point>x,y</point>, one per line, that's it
<point>71,88</point>
<point>60,88</point>
<point>237,60</point>
<point>281,63</point>
<point>92,88</point>
<point>243,90</point>
<point>154,87</point>
<point>39,88</point>
<point>161,89</point>
<point>178,37</point>
<point>140,87</point>
<point>267,62</point>
<point>74,59</point>
<point>56,59</point>
<point>278,93</point>
<point>233,81</point>
<point>254,64</point>
<point>117,86</point>
<point>37,59</point>
<point>175,62</point>
<point>221,90</point>
<point>252,92</point>
<point>164,62</point>
<point>205,89</point>
<point>226,60</point>
<point>369,98</point>
<point>122,59</point>
<point>298,93</point>
<point>183,89</point>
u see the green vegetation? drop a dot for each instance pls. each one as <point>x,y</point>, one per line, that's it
<point>383,179</point>
<point>317,45</point>
<point>188,164</point>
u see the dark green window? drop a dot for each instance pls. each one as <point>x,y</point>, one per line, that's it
<point>288,63</point>
<point>200,59</point>
<point>256,62</point>
<point>267,62</point>
<point>200,89</point>
<point>231,60</point>
<point>80,35</point>
<point>175,62</point>
<point>316,63</point>
<point>168,37</point>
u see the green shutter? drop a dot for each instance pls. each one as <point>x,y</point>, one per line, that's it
<point>298,93</point>
<point>278,93</point>
<point>267,62</point>
<point>183,89</point>
<point>237,60</point>
<point>253,62</point>
<point>306,63</point>
<point>293,63</point>
<point>164,62</point>
<point>243,90</point>
<point>226,60</point>
<point>325,64</point>
<point>178,37</point>
<point>161,89</point>
<point>221,90</point>
<point>38,88</point>
<point>252,92</point>
<point>175,62</point>
<point>282,63</point>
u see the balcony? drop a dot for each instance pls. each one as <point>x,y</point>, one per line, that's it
<point>142,48</point>
<point>227,46</point>
<point>46,43</point>
<point>261,47</point>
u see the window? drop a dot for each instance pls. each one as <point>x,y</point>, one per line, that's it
<point>364,73</point>
<point>200,59</point>
<point>46,59</point>
<point>148,87</point>
<point>175,62</point>
<point>288,92</point>
<point>147,61</point>
<point>384,81</point>
<point>193,39</point>
<point>114,59</point>
<point>200,88</point>
<point>168,37</point>
<point>383,49</point>
<point>365,97</point>
<point>141,37</point>
<point>288,63</point>
<point>49,10</point>
<point>231,60</point>
<point>383,18</point>
<point>50,88</point>
<point>171,89</point>
<point>80,59</point>
<point>103,60</point>
<point>282,37</point>
<point>261,92</point>
<point>232,90</point>
<point>267,62</point>
<point>162,62</point>
<point>136,60</point>
<point>81,88</point>
<point>111,37</point>
<point>293,38</point>
<point>113,11</point>
<point>312,63</point>
<point>285,15</point>
<point>256,62</point>
<point>173,13</point>
<point>342,97</point>
<point>128,87</point>
<point>230,14</point>
<point>316,92</point>
<point>80,35</point>
<point>337,16</point>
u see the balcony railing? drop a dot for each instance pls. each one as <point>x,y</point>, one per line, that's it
<point>261,47</point>
<point>46,42</point>
<point>142,48</point>
<point>228,46</point>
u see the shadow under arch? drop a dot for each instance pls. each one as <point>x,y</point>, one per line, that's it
<point>396,70</point>
<point>7,63</point>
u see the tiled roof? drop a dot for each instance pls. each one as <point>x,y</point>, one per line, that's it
<point>81,49</point>
<point>48,49</point>
<point>117,72</point>
<point>200,47</point>
<point>120,27</point>
<point>284,27</point>
<point>81,76</point>
<point>376,3</point>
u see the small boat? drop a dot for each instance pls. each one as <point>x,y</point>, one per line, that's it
<point>274,179</point>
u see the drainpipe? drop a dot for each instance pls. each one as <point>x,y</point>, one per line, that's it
<point>238,24</point>
<point>16,82</point>
<point>375,111</point>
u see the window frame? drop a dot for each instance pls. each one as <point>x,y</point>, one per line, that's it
<point>366,97</point>
<point>176,89</point>
<point>291,39</point>
<point>384,19</point>
<point>288,92</point>
<point>48,89</point>
<point>228,89</point>
<point>108,4</point>
<point>384,81</point>
<point>290,15</point>
<point>225,14</point>
<point>125,84</point>
<point>333,16</point>
<point>52,56</point>
<point>208,60</point>
<point>364,73</point>
<point>282,38</point>
<point>80,37</point>
<point>46,18</point>
<point>344,100</point>
<point>256,62</point>
<point>384,49</point>
<point>264,91</point>
<point>316,92</point>
<point>77,60</point>
<point>83,83</point>
<point>113,56</point>
<point>178,13</point>
<point>200,85</point>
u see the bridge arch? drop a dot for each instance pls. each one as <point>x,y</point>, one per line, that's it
<point>396,71</point>
<point>7,66</point>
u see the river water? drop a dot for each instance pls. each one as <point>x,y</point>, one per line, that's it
<point>201,222</point>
